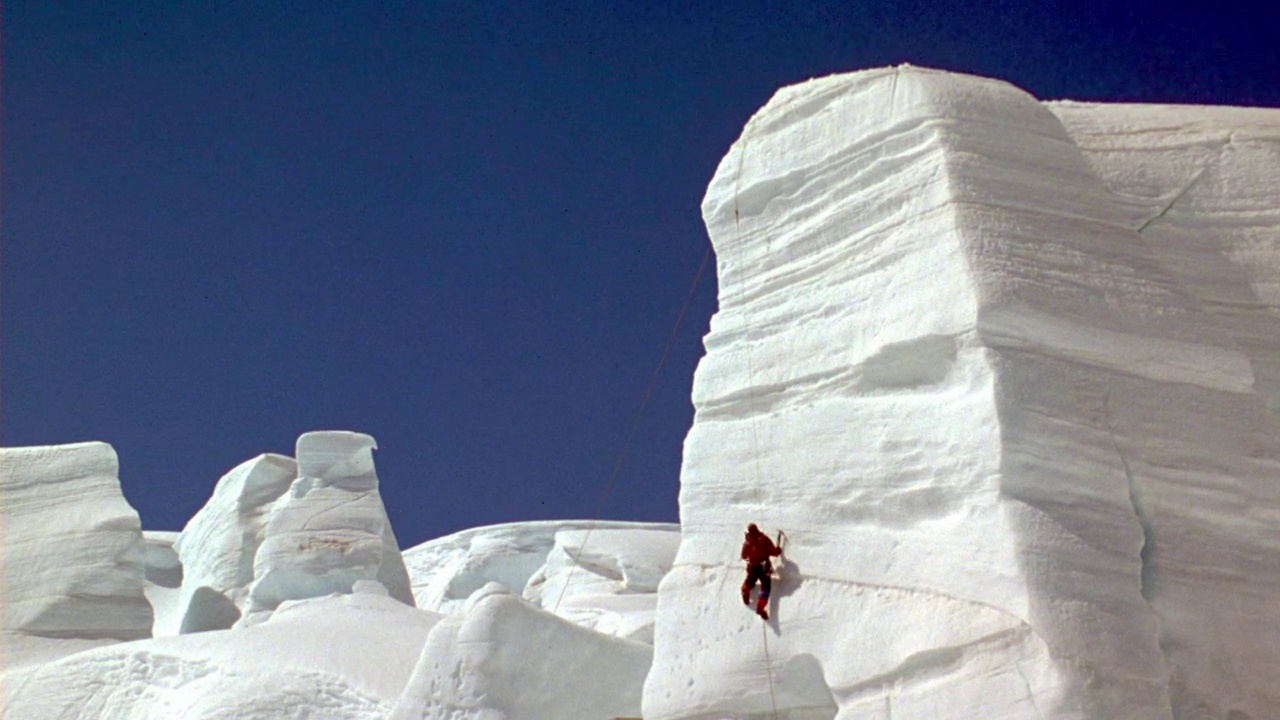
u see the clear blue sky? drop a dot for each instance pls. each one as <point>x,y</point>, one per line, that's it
<point>462,228</point>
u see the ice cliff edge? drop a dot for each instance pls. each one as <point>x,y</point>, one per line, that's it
<point>1002,370</point>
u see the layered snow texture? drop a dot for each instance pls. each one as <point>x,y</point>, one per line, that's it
<point>1200,185</point>
<point>501,658</point>
<point>74,556</point>
<point>1002,383</point>
<point>280,529</point>
<point>600,575</point>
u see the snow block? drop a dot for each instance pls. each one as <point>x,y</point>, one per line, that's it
<point>218,545</point>
<point>448,570</point>
<point>504,659</point>
<point>330,530</point>
<point>1023,470</point>
<point>73,551</point>
<point>278,528</point>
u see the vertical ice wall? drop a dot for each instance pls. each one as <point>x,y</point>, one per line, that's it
<point>1200,184</point>
<point>1023,472</point>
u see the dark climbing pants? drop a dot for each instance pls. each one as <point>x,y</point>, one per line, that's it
<point>761,573</point>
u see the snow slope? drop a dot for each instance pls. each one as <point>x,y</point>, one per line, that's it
<point>601,575</point>
<point>1024,470</point>
<point>501,658</point>
<point>342,657</point>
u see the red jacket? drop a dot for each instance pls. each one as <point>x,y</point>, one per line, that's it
<point>757,549</point>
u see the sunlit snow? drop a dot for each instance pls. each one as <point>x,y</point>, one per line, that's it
<point>1006,374</point>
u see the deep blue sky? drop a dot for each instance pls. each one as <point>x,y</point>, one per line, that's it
<point>461,228</point>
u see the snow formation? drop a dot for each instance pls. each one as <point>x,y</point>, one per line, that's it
<point>1008,421</point>
<point>1006,372</point>
<point>280,529</point>
<point>342,657</point>
<point>73,553</point>
<point>501,658</point>
<point>286,596</point>
<point>600,575</point>
<point>1200,185</point>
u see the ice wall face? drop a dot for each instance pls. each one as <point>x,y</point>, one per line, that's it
<point>1200,185</point>
<point>73,552</point>
<point>1023,471</point>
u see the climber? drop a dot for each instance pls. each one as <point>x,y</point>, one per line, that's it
<point>757,548</point>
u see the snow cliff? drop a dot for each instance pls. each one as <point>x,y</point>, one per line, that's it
<point>1200,185</point>
<point>1015,432</point>
<point>73,553</point>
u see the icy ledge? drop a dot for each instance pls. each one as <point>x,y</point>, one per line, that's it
<point>1018,438</point>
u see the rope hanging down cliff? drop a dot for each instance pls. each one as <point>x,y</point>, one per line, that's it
<point>755,437</point>
<point>635,422</point>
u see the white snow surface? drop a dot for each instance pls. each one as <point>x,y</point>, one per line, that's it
<point>281,529</point>
<point>608,583</point>
<point>341,657</point>
<point>73,553</point>
<point>163,587</point>
<point>501,658</point>
<point>1023,459</point>
<point>1200,185</point>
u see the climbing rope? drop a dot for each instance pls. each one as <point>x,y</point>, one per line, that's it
<point>768,666</point>
<point>635,422</point>
<point>755,437</point>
